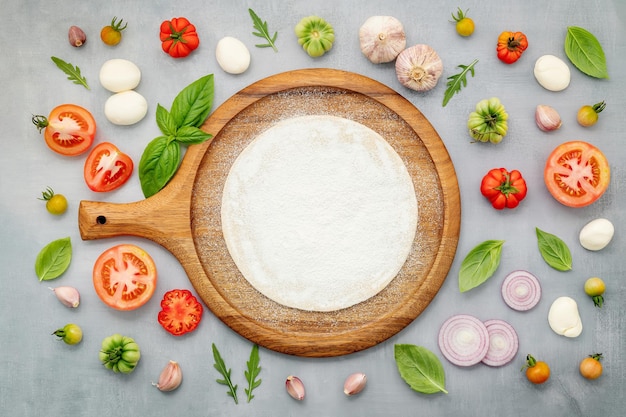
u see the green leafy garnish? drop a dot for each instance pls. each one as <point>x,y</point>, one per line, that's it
<point>221,368</point>
<point>263,32</point>
<point>420,368</point>
<point>456,81</point>
<point>181,125</point>
<point>554,251</point>
<point>253,371</point>
<point>585,52</point>
<point>54,259</point>
<point>480,264</point>
<point>73,73</point>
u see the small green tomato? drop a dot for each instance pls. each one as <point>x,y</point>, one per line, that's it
<point>488,123</point>
<point>594,288</point>
<point>588,115</point>
<point>70,333</point>
<point>315,35</point>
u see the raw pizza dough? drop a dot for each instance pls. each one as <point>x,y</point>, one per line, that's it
<point>319,213</point>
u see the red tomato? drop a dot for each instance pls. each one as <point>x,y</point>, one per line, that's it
<point>503,189</point>
<point>511,46</point>
<point>69,129</point>
<point>178,37</point>
<point>180,312</point>
<point>124,277</point>
<point>577,173</point>
<point>106,168</point>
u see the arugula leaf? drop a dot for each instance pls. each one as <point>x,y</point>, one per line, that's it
<point>72,72</point>
<point>420,368</point>
<point>193,104</point>
<point>158,164</point>
<point>554,251</point>
<point>221,368</point>
<point>263,32</point>
<point>480,264</point>
<point>456,81</point>
<point>54,259</point>
<point>585,52</point>
<point>253,371</point>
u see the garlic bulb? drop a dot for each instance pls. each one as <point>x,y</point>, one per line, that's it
<point>382,38</point>
<point>419,67</point>
<point>547,118</point>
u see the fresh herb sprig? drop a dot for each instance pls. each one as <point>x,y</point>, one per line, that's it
<point>73,72</point>
<point>181,125</point>
<point>221,368</point>
<point>263,32</point>
<point>253,371</point>
<point>420,368</point>
<point>480,264</point>
<point>585,52</point>
<point>457,81</point>
<point>54,259</point>
<point>554,251</point>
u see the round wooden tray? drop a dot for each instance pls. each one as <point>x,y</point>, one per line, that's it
<point>184,217</point>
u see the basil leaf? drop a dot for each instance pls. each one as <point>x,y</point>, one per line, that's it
<point>480,264</point>
<point>190,135</point>
<point>554,251</point>
<point>585,52</point>
<point>420,368</point>
<point>165,121</point>
<point>193,104</point>
<point>158,164</point>
<point>54,259</point>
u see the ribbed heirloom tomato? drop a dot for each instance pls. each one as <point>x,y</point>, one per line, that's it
<point>69,129</point>
<point>503,189</point>
<point>124,277</point>
<point>178,37</point>
<point>577,173</point>
<point>511,46</point>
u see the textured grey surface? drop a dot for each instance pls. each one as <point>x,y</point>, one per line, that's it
<point>41,376</point>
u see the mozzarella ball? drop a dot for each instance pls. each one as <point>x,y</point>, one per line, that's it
<point>552,73</point>
<point>125,108</point>
<point>232,55</point>
<point>118,75</point>
<point>596,234</point>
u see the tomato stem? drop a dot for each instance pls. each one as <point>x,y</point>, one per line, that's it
<point>40,121</point>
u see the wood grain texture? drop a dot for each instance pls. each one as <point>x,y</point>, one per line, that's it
<point>185,216</point>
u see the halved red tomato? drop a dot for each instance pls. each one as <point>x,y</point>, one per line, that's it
<point>69,129</point>
<point>180,313</point>
<point>577,173</point>
<point>124,277</point>
<point>107,168</point>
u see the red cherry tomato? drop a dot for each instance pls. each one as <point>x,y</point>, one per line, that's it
<point>107,168</point>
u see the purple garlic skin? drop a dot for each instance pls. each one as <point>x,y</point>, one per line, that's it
<point>76,36</point>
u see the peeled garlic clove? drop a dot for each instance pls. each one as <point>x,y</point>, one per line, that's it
<point>596,234</point>
<point>69,296</point>
<point>419,67</point>
<point>295,387</point>
<point>382,38</point>
<point>564,318</point>
<point>547,118</point>
<point>354,383</point>
<point>170,377</point>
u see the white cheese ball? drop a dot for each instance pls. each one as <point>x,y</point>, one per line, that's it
<point>564,318</point>
<point>552,73</point>
<point>118,75</point>
<point>596,234</point>
<point>125,108</point>
<point>232,55</point>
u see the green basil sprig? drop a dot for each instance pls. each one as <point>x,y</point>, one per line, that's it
<point>585,52</point>
<point>54,259</point>
<point>420,368</point>
<point>181,125</point>
<point>480,264</point>
<point>554,251</point>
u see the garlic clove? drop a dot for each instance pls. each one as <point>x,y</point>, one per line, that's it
<point>354,383</point>
<point>69,296</point>
<point>547,118</point>
<point>170,377</point>
<point>382,38</point>
<point>419,67</point>
<point>76,36</point>
<point>295,387</point>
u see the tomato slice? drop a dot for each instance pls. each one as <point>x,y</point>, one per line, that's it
<point>577,173</point>
<point>70,130</point>
<point>180,312</point>
<point>124,277</point>
<point>107,168</point>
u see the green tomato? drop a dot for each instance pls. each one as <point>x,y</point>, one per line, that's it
<point>594,288</point>
<point>315,35</point>
<point>119,353</point>
<point>70,334</point>
<point>488,123</point>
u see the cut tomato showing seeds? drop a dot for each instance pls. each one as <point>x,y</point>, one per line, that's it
<point>180,312</point>
<point>577,173</point>
<point>107,168</point>
<point>124,277</point>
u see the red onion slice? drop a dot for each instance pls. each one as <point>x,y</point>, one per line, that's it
<point>521,290</point>
<point>503,343</point>
<point>463,340</point>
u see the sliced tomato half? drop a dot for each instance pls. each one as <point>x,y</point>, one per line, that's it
<point>69,129</point>
<point>107,168</point>
<point>180,313</point>
<point>577,173</point>
<point>124,277</point>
